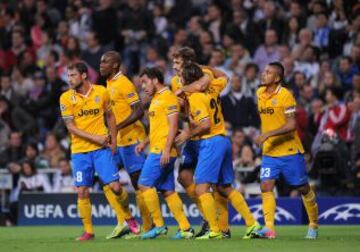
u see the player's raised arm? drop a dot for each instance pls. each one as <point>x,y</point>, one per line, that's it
<point>198,86</point>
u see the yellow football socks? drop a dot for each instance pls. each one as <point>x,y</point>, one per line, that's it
<point>176,207</point>
<point>221,204</point>
<point>114,203</point>
<point>208,205</point>
<point>190,190</point>
<point>144,212</point>
<point>152,202</point>
<point>239,203</point>
<point>311,208</point>
<point>124,201</point>
<point>84,206</point>
<point>269,205</point>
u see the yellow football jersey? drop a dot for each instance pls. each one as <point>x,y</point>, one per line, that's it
<point>163,104</point>
<point>87,112</point>
<point>123,94</point>
<point>273,109</point>
<point>202,106</point>
<point>176,81</point>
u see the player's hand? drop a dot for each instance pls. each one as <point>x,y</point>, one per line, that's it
<point>261,139</point>
<point>165,158</point>
<point>182,137</point>
<point>139,148</point>
<point>112,145</point>
<point>179,92</point>
<point>102,140</point>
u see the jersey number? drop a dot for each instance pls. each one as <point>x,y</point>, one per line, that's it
<point>215,105</point>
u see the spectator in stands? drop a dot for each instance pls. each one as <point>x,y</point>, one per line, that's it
<point>13,153</point>
<point>63,181</point>
<point>239,109</point>
<point>270,22</point>
<point>329,80</point>
<point>355,91</point>
<point>307,62</point>
<point>31,180</point>
<point>137,28</point>
<point>5,119</point>
<point>238,140</point>
<point>346,72</point>
<point>94,50</point>
<point>322,32</point>
<point>299,82</point>
<point>291,32</point>
<point>21,84</point>
<point>104,22</point>
<point>269,51</point>
<point>32,155</point>
<point>8,91</point>
<point>215,22</point>
<point>250,80</point>
<point>336,117</point>
<point>53,151</point>
<point>238,59</point>
<point>305,39</point>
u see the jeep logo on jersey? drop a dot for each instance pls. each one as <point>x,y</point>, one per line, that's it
<point>87,112</point>
<point>280,214</point>
<point>268,110</point>
<point>342,212</point>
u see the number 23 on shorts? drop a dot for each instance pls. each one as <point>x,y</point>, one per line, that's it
<point>265,172</point>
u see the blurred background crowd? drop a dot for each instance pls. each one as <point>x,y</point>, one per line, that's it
<point>317,41</point>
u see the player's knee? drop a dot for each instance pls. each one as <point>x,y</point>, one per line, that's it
<point>224,191</point>
<point>201,189</point>
<point>116,187</point>
<point>167,193</point>
<point>267,186</point>
<point>83,192</point>
<point>142,188</point>
<point>304,189</point>
<point>185,178</point>
<point>134,177</point>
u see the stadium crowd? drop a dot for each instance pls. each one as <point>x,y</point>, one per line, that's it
<point>318,42</point>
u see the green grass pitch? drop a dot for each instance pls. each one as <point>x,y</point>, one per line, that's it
<point>290,238</point>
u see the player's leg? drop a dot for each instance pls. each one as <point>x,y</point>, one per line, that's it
<point>106,168</point>
<point>224,188</point>
<point>222,211</point>
<point>294,173</point>
<point>120,228</point>
<point>166,184</point>
<point>269,172</point>
<point>185,178</point>
<point>207,173</point>
<point>83,173</point>
<point>150,174</point>
<point>133,163</point>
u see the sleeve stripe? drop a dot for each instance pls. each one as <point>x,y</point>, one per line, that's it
<point>206,117</point>
<point>69,116</point>
<point>288,111</point>
<point>173,113</point>
<point>134,102</point>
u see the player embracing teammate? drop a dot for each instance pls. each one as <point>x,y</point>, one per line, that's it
<point>206,170</point>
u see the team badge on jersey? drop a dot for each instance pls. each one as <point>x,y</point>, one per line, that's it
<point>73,98</point>
<point>62,107</point>
<point>97,99</point>
<point>273,102</point>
